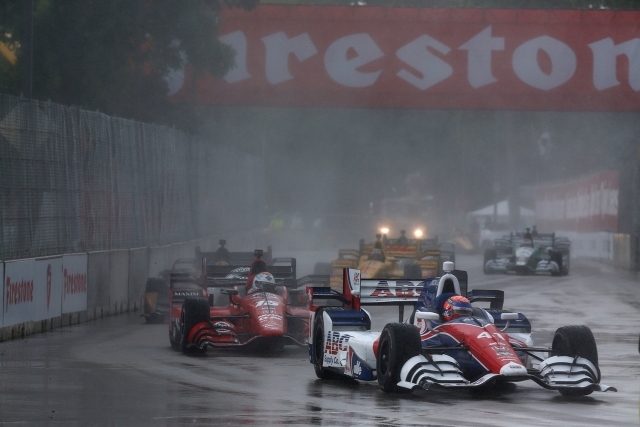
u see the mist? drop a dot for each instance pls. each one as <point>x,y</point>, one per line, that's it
<point>338,164</point>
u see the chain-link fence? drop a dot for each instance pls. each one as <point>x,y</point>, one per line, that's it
<point>74,180</point>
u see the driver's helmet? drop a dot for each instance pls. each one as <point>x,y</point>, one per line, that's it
<point>264,282</point>
<point>455,307</point>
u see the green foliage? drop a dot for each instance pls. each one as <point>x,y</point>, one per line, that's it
<point>113,56</point>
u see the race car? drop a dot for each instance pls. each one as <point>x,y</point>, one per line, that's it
<point>221,312</point>
<point>155,308</point>
<point>514,253</point>
<point>480,349</point>
<point>410,258</point>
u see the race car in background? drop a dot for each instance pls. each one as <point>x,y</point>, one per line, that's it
<point>479,350</point>
<point>398,259</point>
<point>545,253</point>
<point>215,309</point>
<point>155,307</point>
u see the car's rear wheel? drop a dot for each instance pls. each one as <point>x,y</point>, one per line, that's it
<point>194,311</point>
<point>175,338</point>
<point>489,255</point>
<point>318,343</point>
<point>575,341</point>
<point>398,343</point>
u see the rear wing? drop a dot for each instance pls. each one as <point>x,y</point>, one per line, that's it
<point>315,280</point>
<point>358,292</point>
<point>494,297</point>
<point>236,259</point>
<point>282,269</point>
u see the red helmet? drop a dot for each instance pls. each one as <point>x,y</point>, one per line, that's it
<point>455,307</point>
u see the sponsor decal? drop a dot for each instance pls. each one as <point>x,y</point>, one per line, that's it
<point>18,292</point>
<point>399,289</point>
<point>268,302</point>
<point>186,293</point>
<point>238,273</point>
<point>503,352</point>
<point>335,342</point>
<point>74,283</point>
<point>222,326</point>
<point>486,334</point>
<point>440,58</point>
<point>270,318</point>
<point>357,369</point>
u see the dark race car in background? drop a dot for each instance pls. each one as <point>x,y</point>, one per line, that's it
<point>488,347</point>
<point>156,294</point>
<point>544,253</point>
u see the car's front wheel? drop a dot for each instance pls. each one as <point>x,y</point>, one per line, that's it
<point>399,342</point>
<point>194,311</point>
<point>576,341</point>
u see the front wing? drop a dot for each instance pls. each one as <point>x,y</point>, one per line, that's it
<point>554,373</point>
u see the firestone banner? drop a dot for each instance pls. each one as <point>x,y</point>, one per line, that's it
<point>47,288</point>
<point>74,283</point>
<point>589,204</point>
<point>427,58</point>
<point>18,291</point>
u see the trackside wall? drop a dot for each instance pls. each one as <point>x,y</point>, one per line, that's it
<point>40,294</point>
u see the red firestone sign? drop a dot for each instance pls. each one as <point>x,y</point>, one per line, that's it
<point>428,58</point>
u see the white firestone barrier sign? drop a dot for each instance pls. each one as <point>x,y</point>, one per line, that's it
<point>47,296</point>
<point>18,291</point>
<point>74,283</point>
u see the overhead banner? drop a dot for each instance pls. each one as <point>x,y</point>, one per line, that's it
<point>74,283</point>
<point>589,204</point>
<point>382,57</point>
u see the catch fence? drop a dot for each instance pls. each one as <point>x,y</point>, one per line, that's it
<point>76,181</point>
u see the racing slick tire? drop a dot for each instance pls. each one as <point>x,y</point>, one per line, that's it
<point>175,338</point>
<point>489,254</point>
<point>576,340</point>
<point>399,342</point>
<point>194,311</point>
<point>566,266</point>
<point>557,257</point>
<point>318,343</point>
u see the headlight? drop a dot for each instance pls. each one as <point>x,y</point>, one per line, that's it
<point>384,230</point>
<point>418,233</point>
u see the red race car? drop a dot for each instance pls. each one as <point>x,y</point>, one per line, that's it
<point>241,306</point>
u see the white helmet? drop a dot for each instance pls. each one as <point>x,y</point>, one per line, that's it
<point>264,282</point>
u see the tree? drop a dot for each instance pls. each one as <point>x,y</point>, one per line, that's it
<point>113,56</point>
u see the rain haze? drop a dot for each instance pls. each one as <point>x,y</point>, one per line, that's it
<point>138,176</point>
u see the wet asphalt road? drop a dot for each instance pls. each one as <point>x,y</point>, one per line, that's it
<point>119,371</point>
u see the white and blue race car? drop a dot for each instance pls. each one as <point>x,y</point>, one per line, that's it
<point>490,346</point>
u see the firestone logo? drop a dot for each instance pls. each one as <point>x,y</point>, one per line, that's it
<point>427,68</point>
<point>74,283</point>
<point>18,292</point>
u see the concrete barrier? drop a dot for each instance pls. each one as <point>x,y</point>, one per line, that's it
<point>98,284</point>
<point>622,254</point>
<point>590,245</point>
<point>138,275</point>
<point>119,281</point>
